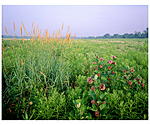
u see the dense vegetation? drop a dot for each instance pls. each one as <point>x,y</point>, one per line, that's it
<point>143,34</point>
<point>85,79</point>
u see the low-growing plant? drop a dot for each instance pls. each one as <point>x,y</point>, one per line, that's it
<point>109,87</point>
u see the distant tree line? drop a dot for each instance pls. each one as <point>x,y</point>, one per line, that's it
<point>143,34</point>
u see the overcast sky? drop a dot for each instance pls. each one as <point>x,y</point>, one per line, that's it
<point>83,20</point>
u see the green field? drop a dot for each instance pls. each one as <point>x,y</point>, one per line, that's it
<point>49,80</point>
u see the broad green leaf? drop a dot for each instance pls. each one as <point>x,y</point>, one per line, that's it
<point>26,116</point>
<point>121,103</point>
<point>102,96</point>
<point>102,106</point>
<point>78,100</point>
<point>103,78</point>
<point>92,94</point>
<point>94,108</point>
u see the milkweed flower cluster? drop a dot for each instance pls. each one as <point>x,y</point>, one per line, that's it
<point>101,66</point>
<point>105,75</point>
<point>97,113</point>
<point>93,101</point>
<point>110,61</point>
<point>109,67</point>
<point>101,59</point>
<point>94,62</point>
<point>102,87</point>
<point>114,57</point>
<point>132,70</point>
<point>90,80</point>
<point>93,88</point>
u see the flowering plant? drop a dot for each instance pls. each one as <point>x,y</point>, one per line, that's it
<point>106,78</point>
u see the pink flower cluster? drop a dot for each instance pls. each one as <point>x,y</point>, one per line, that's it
<point>114,57</point>
<point>132,70</point>
<point>94,62</point>
<point>90,80</point>
<point>93,102</point>
<point>93,88</point>
<point>102,87</point>
<point>97,113</point>
<point>111,62</point>
<point>101,59</point>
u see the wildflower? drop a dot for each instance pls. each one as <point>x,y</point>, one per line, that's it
<point>98,102</point>
<point>78,105</point>
<point>139,82</point>
<point>104,102</point>
<point>114,57</point>
<point>97,113</point>
<point>142,84</point>
<point>93,101</point>
<point>113,72</point>
<point>110,61</point>
<point>102,87</point>
<point>30,103</point>
<point>95,77</point>
<point>109,79</point>
<point>132,70</point>
<point>109,67</point>
<point>98,74</point>
<point>93,88</point>
<point>129,82</point>
<point>101,59</point>
<point>114,63</point>
<point>89,80</point>
<point>137,79</point>
<point>101,66</point>
<point>124,71</point>
<point>94,62</point>
<point>96,68</point>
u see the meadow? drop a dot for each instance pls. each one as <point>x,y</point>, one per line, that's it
<point>85,79</point>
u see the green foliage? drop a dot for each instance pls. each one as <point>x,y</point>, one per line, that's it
<point>113,88</point>
<point>61,81</point>
<point>50,106</point>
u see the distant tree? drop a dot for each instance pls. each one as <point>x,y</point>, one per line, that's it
<point>116,36</point>
<point>137,35</point>
<point>107,36</point>
<point>143,34</point>
<point>131,35</point>
<point>125,35</point>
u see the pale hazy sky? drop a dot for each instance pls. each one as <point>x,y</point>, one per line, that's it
<point>83,20</point>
